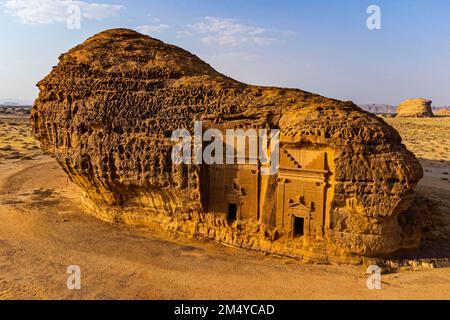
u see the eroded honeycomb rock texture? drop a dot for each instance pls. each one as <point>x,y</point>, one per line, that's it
<point>106,113</point>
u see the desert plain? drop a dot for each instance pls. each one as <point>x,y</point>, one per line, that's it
<point>43,230</point>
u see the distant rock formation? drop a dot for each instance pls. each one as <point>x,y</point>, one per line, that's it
<point>379,108</point>
<point>443,112</point>
<point>15,110</point>
<point>343,191</point>
<point>387,109</point>
<point>418,108</point>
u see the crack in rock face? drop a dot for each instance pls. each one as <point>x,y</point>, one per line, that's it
<point>345,183</point>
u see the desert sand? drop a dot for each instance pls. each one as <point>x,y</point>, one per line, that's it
<point>429,140</point>
<point>43,230</point>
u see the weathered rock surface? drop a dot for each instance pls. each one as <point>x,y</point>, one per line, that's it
<point>419,108</point>
<point>443,112</point>
<point>106,113</point>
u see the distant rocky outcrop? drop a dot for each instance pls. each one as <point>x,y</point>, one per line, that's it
<point>386,109</point>
<point>418,108</point>
<point>345,185</point>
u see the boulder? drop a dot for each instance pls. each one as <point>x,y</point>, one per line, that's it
<point>417,108</point>
<point>343,191</point>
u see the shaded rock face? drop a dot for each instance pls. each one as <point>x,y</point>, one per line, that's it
<point>343,191</point>
<point>419,108</point>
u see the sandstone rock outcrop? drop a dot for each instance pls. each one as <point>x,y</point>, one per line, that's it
<point>345,185</point>
<point>418,108</point>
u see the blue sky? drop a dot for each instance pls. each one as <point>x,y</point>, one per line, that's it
<point>319,46</point>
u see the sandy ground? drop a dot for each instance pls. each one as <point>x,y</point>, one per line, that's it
<point>429,140</point>
<point>43,230</point>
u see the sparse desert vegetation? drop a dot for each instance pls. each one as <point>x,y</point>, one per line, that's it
<point>427,138</point>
